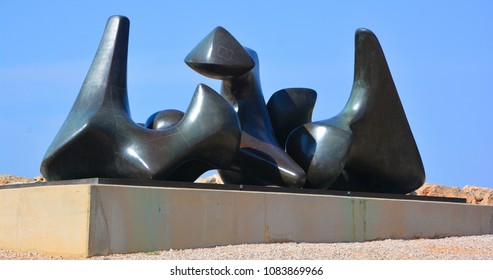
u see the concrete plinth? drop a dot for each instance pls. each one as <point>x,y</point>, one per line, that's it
<point>81,220</point>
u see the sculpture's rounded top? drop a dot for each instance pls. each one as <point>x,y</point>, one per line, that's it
<point>364,30</point>
<point>119,18</point>
<point>365,34</point>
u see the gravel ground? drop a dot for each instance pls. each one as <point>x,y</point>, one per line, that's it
<point>451,248</point>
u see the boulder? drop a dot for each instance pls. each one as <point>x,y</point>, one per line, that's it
<point>214,179</point>
<point>12,179</point>
<point>472,194</point>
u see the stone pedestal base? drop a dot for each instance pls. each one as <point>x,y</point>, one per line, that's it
<point>81,220</point>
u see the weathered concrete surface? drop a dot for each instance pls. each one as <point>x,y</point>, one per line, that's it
<point>86,220</point>
<point>51,220</point>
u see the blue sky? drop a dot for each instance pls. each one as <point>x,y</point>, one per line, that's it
<point>440,54</point>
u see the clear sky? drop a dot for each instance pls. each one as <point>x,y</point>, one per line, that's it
<point>440,54</point>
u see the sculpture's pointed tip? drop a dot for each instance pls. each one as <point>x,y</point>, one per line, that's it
<point>119,25</point>
<point>204,89</point>
<point>219,55</point>
<point>220,29</point>
<point>366,41</point>
<point>109,67</point>
<point>364,31</point>
<point>119,17</point>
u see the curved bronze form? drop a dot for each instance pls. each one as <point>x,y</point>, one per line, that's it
<point>369,146</point>
<point>289,108</point>
<point>260,160</point>
<point>164,119</point>
<point>99,139</point>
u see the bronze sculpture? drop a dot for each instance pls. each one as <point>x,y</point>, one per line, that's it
<point>368,147</point>
<point>260,159</point>
<point>99,139</point>
<point>290,108</point>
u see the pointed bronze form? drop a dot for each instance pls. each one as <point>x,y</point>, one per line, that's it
<point>219,55</point>
<point>290,108</point>
<point>369,146</point>
<point>99,139</point>
<point>260,160</point>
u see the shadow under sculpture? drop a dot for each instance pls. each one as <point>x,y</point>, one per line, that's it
<point>99,139</point>
<point>369,146</point>
<point>261,160</point>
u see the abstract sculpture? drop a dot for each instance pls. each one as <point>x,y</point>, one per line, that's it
<point>98,138</point>
<point>260,160</point>
<point>369,146</point>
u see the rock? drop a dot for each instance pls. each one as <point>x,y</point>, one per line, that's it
<point>7,179</point>
<point>39,179</point>
<point>472,194</point>
<point>481,195</point>
<point>214,179</point>
<point>12,179</point>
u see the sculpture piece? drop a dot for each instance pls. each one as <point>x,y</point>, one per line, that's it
<point>164,119</point>
<point>290,108</point>
<point>369,146</point>
<point>260,159</point>
<point>99,139</point>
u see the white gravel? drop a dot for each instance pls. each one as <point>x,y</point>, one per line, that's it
<point>451,248</point>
